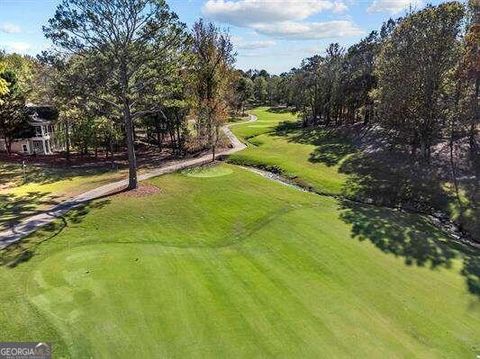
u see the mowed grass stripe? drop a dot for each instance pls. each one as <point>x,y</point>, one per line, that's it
<point>279,276</point>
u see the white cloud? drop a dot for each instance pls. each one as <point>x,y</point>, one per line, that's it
<point>291,30</point>
<point>18,47</point>
<point>253,45</point>
<point>393,6</point>
<point>282,19</point>
<point>247,12</point>
<point>9,28</point>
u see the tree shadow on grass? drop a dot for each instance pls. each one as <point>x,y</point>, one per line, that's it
<point>468,214</point>
<point>23,250</point>
<point>41,175</point>
<point>9,173</point>
<point>413,238</point>
<point>404,235</point>
<point>14,174</point>
<point>386,198</point>
<point>393,180</point>
<point>331,146</point>
<point>471,271</point>
<point>15,208</point>
<point>281,109</point>
<point>332,153</point>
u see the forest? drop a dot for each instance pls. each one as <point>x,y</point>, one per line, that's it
<point>407,95</point>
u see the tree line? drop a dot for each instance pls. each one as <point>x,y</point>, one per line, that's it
<point>125,71</point>
<point>411,89</point>
<point>128,70</point>
<point>418,78</point>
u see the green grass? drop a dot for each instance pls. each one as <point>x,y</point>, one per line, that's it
<point>24,194</point>
<point>235,265</point>
<point>224,263</point>
<point>275,142</point>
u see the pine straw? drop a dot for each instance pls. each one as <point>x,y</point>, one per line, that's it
<point>143,190</point>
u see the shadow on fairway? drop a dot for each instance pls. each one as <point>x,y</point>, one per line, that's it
<point>15,208</point>
<point>393,180</point>
<point>382,180</point>
<point>404,235</point>
<point>24,250</point>
<point>280,110</point>
<point>386,179</point>
<point>411,237</point>
<point>13,174</point>
<point>331,147</point>
<point>471,271</point>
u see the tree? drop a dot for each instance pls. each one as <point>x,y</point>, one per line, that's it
<point>3,82</point>
<point>123,45</point>
<point>273,90</point>
<point>359,78</point>
<point>24,68</point>
<point>470,73</point>
<point>244,92</point>
<point>214,58</point>
<point>412,67</point>
<point>260,89</point>
<point>319,82</point>
<point>13,119</point>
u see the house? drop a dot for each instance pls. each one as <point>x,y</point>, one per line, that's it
<point>41,140</point>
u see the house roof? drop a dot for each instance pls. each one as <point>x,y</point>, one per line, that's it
<point>42,114</point>
<point>37,121</point>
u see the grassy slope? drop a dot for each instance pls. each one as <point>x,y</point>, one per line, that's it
<point>231,266</point>
<point>281,151</point>
<point>43,187</point>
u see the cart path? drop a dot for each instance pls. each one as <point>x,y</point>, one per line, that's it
<point>33,223</point>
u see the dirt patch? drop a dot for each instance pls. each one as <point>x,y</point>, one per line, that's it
<point>143,190</point>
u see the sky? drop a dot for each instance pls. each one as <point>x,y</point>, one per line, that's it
<point>268,34</point>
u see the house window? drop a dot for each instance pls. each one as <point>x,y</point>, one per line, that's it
<point>38,130</point>
<point>25,148</point>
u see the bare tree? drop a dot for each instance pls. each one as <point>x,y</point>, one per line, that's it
<point>214,58</point>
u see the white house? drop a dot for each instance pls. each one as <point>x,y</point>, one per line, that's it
<point>42,141</point>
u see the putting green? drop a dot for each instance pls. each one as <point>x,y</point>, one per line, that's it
<point>208,171</point>
<point>236,266</point>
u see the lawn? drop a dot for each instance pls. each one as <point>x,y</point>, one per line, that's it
<point>24,193</point>
<point>276,142</point>
<point>222,262</point>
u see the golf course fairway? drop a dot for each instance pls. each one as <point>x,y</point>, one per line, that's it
<point>234,265</point>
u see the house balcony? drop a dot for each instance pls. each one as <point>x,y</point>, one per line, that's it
<point>45,136</point>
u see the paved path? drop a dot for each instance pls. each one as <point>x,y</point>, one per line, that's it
<point>33,223</point>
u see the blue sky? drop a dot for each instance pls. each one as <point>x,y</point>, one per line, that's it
<point>271,34</point>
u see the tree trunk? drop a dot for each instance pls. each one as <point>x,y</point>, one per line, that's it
<point>453,169</point>
<point>215,142</point>
<point>473,125</point>
<point>424,150</point>
<point>8,146</point>
<point>132,160</point>
<point>112,157</point>
<point>129,128</point>
<point>159,136</point>
<point>179,137</point>
<point>67,143</point>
